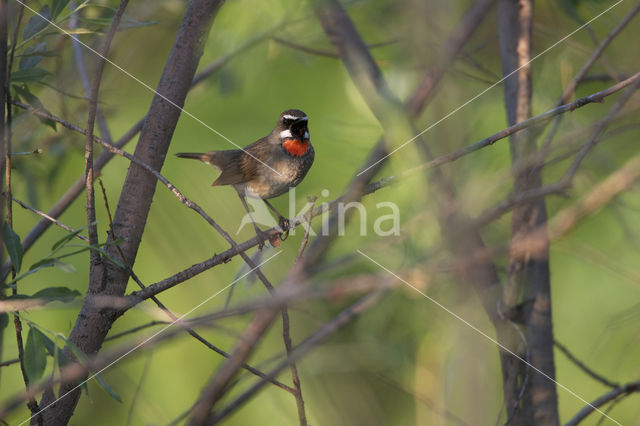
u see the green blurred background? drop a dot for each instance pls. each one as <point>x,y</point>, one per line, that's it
<point>405,360</point>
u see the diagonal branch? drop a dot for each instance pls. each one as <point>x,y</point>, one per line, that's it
<point>612,395</point>
<point>583,367</point>
<point>329,328</point>
<point>448,54</point>
<point>78,186</point>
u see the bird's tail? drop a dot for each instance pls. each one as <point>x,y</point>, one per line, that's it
<point>202,156</point>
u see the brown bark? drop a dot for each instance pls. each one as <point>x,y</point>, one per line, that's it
<point>92,324</point>
<point>530,398</point>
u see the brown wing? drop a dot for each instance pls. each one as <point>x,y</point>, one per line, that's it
<point>228,162</point>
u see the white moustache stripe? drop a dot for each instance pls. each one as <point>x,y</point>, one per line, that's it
<point>291,117</point>
<point>287,134</point>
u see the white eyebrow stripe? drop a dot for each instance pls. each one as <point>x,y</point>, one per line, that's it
<point>291,117</point>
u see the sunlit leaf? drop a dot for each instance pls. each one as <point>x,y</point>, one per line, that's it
<point>64,266</point>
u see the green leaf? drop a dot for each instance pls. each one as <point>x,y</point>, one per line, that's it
<point>48,343</point>
<point>32,55</point>
<point>29,74</point>
<point>83,358</point>
<point>62,294</point>
<point>35,355</point>
<point>4,320</point>
<point>29,98</point>
<point>104,385</point>
<point>64,240</point>
<point>42,263</point>
<point>57,6</point>
<point>36,24</point>
<point>12,243</point>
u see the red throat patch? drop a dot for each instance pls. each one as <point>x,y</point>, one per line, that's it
<point>296,147</point>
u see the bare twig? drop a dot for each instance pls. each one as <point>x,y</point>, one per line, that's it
<point>583,367</point>
<point>78,51</point>
<point>615,110</point>
<point>448,54</point>
<point>78,186</point>
<point>9,362</point>
<point>618,392</point>
<point>320,52</point>
<point>171,315</point>
<point>580,76</point>
<point>597,97</point>
<point>96,258</point>
<point>32,404</point>
<point>307,225</point>
<point>308,344</point>
<point>295,281</point>
<point>49,218</point>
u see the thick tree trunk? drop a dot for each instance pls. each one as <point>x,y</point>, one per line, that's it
<point>530,398</point>
<point>93,324</point>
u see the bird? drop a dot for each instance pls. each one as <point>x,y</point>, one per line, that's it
<point>268,167</point>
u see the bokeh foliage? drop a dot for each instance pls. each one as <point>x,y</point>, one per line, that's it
<point>405,360</point>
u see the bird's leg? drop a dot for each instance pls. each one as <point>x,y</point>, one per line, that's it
<point>262,236</point>
<point>282,221</point>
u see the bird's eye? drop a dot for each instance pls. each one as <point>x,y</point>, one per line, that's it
<point>287,121</point>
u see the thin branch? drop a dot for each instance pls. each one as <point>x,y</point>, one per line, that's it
<point>580,76</point>
<point>78,186</point>
<point>587,147</point>
<point>32,404</point>
<point>78,52</point>
<point>170,314</point>
<point>96,258</point>
<point>9,362</point>
<point>295,281</point>
<point>49,218</point>
<point>583,367</point>
<point>307,225</point>
<point>597,97</point>
<point>448,54</point>
<point>320,52</point>
<point>618,392</point>
<point>329,328</point>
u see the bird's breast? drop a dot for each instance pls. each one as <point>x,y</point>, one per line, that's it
<point>296,147</point>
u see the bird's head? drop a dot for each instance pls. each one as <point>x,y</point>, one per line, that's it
<point>293,124</point>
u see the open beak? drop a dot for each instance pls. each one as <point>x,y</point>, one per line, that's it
<point>299,128</point>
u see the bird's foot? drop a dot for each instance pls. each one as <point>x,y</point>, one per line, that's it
<point>262,237</point>
<point>285,225</point>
